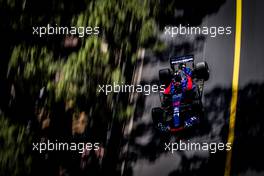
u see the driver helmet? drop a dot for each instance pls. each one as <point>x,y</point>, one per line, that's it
<point>181,66</point>
<point>177,77</point>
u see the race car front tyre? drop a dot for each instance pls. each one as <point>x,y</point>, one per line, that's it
<point>165,77</point>
<point>201,71</point>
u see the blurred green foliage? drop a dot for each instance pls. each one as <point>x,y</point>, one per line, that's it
<point>126,26</point>
<point>14,144</point>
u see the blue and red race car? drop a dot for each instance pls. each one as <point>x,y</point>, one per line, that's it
<point>181,105</point>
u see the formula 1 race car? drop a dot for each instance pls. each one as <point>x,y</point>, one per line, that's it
<point>181,99</point>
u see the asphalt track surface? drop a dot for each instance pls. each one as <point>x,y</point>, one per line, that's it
<point>146,154</point>
<point>248,147</point>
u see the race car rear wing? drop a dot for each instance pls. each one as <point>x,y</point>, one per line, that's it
<point>181,59</point>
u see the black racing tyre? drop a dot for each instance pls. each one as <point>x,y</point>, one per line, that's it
<point>159,119</point>
<point>165,100</point>
<point>197,105</point>
<point>165,77</point>
<point>201,71</point>
<point>157,115</point>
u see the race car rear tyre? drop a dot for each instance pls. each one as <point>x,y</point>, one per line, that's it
<point>157,115</point>
<point>197,105</point>
<point>201,71</point>
<point>165,77</point>
<point>159,119</point>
